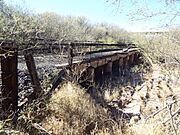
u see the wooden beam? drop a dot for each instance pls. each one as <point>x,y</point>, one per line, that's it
<point>121,66</point>
<point>33,73</point>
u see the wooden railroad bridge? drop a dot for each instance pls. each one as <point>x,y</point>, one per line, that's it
<point>86,67</point>
<point>101,65</point>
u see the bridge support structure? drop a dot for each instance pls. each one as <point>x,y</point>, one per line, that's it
<point>115,68</point>
<point>98,70</point>
<point>98,77</point>
<point>107,71</point>
<point>91,76</point>
<point>124,65</point>
<point>131,60</point>
<point>136,57</point>
<point>121,66</point>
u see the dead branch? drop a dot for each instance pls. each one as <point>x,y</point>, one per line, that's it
<point>169,106</point>
<point>37,126</point>
<point>177,111</point>
<point>155,113</point>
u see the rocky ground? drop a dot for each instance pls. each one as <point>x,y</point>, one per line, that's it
<point>46,69</point>
<point>155,102</point>
<point>148,103</point>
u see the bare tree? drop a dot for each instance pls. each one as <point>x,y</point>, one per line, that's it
<point>17,24</point>
<point>138,10</point>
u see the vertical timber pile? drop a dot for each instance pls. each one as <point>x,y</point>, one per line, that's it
<point>90,75</point>
<point>9,76</point>
<point>132,59</point>
<point>33,73</point>
<point>70,61</point>
<point>126,65</point>
<point>115,68</point>
<point>137,57</point>
<point>87,78</point>
<point>121,66</point>
<point>99,75</point>
<point>108,70</point>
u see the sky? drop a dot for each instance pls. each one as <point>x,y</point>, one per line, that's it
<point>100,11</point>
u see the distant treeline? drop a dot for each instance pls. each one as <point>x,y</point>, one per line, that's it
<point>21,25</point>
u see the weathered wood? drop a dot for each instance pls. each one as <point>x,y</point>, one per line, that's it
<point>96,51</point>
<point>99,75</point>
<point>33,73</point>
<point>126,62</point>
<point>58,79</point>
<point>70,60</point>
<point>90,75</point>
<point>132,59</point>
<point>70,55</point>
<point>115,68</point>
<point>9,78</point>
<point>121,66</point>
<point>108,69</point>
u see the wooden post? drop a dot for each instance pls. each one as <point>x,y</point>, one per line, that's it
<point>126,62</point>
<point>70,60</point>
<point>132,59</point>
<point>108,69</point>
<point>98,72</point>
<point>136,57</point>
<point>115,68</point>
<point>90,75</point>
<point>33,73</point>
<point>9,78</point>
<point>121,66</point>
<point>126,66</point>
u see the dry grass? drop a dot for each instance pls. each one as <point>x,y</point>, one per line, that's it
<point>70,111</point>
<point>145,129</point>
<point>73,112</point>
<point>163,48</point>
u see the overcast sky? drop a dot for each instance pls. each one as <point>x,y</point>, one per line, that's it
<point>101,11</point>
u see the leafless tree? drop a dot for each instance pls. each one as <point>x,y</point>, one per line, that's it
<point>139,10</point>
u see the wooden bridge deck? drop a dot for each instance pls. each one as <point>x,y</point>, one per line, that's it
<point>95,59</point>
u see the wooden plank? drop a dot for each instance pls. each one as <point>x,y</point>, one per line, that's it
<point>115,57</point>
<point>94,63</point>
<point>122,55</point>
<point>101,62</point>
<point>96,51</point>
<point>33,73</point>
